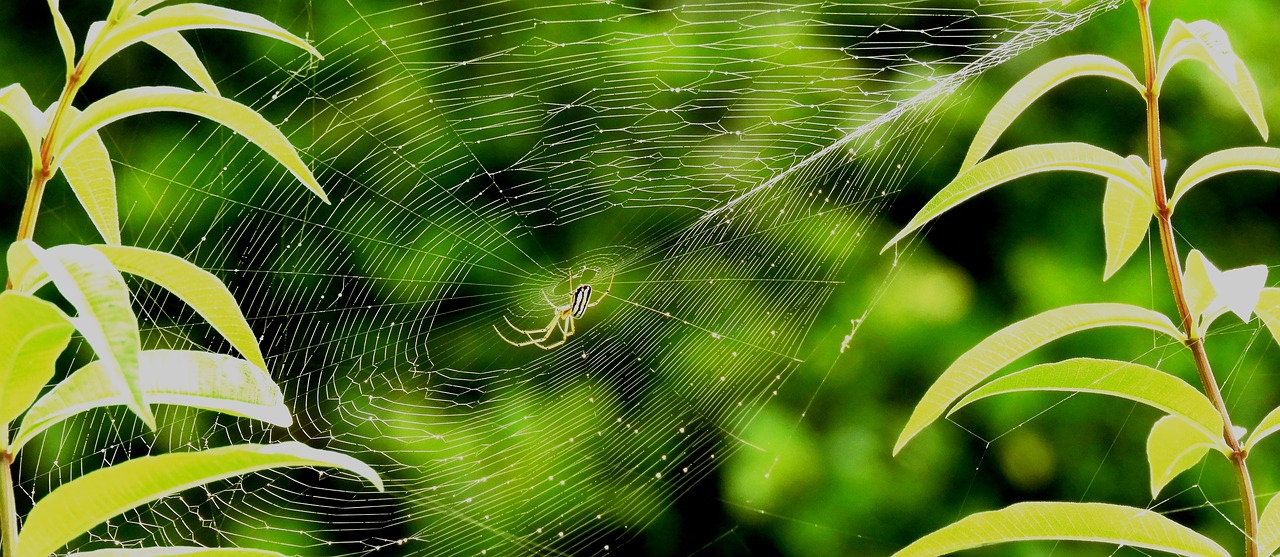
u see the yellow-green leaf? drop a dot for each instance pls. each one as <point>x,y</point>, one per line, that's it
<point>240,118</point>
<point>184,17</point>
<point>176,48</point>
<point>1211,293</point>
<point>1268,309</point>
<point>1269,528</point>
<point>1175,445</point>
<point>1016,340</point>
<point>24,271</point>
<point>87,168</point>
<point>104,315</point>
<point>1269,424</point>
<point>197,287</point>
<point>179,552</point>
<point>1126,216</point>
<point>33,333</point>
<point>1089,522</point>
<point>140,6</point>
<point>1205,42</point>
<point>1020,162</point>
<point>1032,87</point>
<point>187,378</point>
<point>17,105</point>
<point>65,40</point>
<point>1128,380</point>
<point>76,506</point>
<point>1222,162</point>
<point>1196,283</point>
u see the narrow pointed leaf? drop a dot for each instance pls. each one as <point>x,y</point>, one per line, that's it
<point>1020,162</point>
<point>1222,162</point>
<point>1269,424</point>
<point>1268,309</point>
<point>1032,87</point>
<point>1197,282</point>
<point>24,271</point>
<point>1126,216</point>
<point>1205,42</point>
<point>1174,446</point>
<point>1128,380</point>
<point>240,118</point>
<point>65,40</point>
<point>176,48</point>
<point>197,379</point>
<point>140,6</point>
<point>87,168</point>
<point>197,287</point>
<point>1089,522</point>
<point>33,333</point>
<point>76,506</point>
<point>104,315</point>
<point>1016,340</point>
<point>179,552</point>
<point>17,105</point>
<point>1269,527</point>
<point>185,17</point>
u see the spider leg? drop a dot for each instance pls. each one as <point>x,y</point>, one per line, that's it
<point>552,345</point>
<point>546,333</point>
<point>550,327</point>
<point>605,293</point>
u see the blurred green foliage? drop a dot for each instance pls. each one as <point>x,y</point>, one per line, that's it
<point>824,483</point>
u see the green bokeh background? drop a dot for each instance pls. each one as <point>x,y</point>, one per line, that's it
<point>828,485</point>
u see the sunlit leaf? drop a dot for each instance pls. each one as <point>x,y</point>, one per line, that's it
<point>1020,162</point>
<point>1269,424</point>
<point>1222,162</point>
<point>176,48</point>
<point>65,40</point>
<point>240,118</point>
<point>1211,293</point>
<point>1205,42</point>
<point>200,289</point>
<point>33,333</point>
<point>1032,87</point>
<point>179,552</point>
<point>104,316</point>
<point>197,379</point>
<point>1268,309</point>
<point>183,17</point>
<point>80,504</point>
<point>1196,283</point>
<point>1269,528</point>
<point>140,6</point>
<point>87,168</point>
<point>1126,216</point>
<point>1016,340</point>
<point>1128,380</point>
<point>1090,522</point>
<point>1175,445</point>
<point>17,105</point>
<point>25,274</point>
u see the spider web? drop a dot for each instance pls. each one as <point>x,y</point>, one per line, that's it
<point>714,166</point>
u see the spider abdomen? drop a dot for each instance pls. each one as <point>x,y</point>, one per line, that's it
<point>581,297</point>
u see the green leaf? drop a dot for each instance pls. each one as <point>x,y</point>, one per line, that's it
<point>1205,42</point>
<point>1222,162</point>
<point>1269,528</point>
<point>104,315</point>
<point>1269,424</point>
<point>76,506</point>
<point>200,289</point>
<point>1016,340</point>
<point>184,17</point>
<point>176,48</point>
<point>1126,216</point>
<point>1175,445</point>
<point>1128,380</point>
<point>1268,309</point>
<point>1090,522</point>
<point>87,168</point>
<point>33,333</point>
<point>140,6</point>
<point>1021,162</point>
<point>1032,87</point>
<point>197,379</point>
<point>1211,293</point>
<point>240,118</point>
<point>24,271</point>
<point>17,105</point>
<point>179,552</point>
<point>65,40</point>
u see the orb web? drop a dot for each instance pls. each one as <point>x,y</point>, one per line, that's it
<point>710,169</point>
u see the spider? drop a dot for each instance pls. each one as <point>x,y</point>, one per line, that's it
<point>563,318</point>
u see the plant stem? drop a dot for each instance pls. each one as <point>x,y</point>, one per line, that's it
<point>40,175</point>
<point>8,505</point>
<point>1164,217</point>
